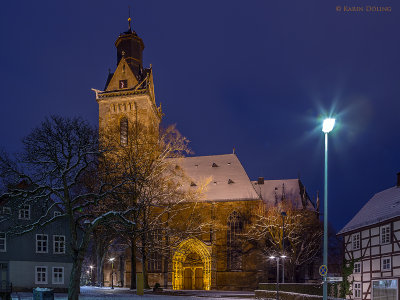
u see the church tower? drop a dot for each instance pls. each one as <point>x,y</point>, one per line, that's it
<point>129,92</point>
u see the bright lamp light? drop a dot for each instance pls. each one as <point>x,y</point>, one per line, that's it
<point>272,257</point>
<point>328,124</point>
<point>112,259</point>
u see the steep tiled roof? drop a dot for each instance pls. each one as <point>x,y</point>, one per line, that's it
<point>381,207</point>
<point>228,179</point>
<point>273,191</point>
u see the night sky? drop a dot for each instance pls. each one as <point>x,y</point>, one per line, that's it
<point>254,75</point>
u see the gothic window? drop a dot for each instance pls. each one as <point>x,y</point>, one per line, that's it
<point>124,131</point>
<point>155,258</point>
<point>234,249</point>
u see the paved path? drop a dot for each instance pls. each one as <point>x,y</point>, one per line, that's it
<point>95,293</point>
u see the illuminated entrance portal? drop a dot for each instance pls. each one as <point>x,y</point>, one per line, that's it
<point>191,266</point>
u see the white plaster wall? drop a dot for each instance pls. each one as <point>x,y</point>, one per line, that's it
<point>386,248</point>
<point>365,233</point>
<point>375,231</point>
<point>396,272</point>
<point>375,250</point>
<point>376,264</point>
<point>366,277</point>
<point>365,243</point>
<point>396,260</point>
<point>386,274</point>
<point>357,254</point>
<point>396,225</point>
<point>357,276</point>
<point>375,241</point>
<point>396,247</point>
<point>376,275</point>
<point>368,252</point>
<point>365,266</point>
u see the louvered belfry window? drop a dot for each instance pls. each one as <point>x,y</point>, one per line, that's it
<point>124,131</point>
<point>234,249</point>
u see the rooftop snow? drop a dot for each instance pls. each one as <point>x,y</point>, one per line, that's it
<point>381,207</point>
<point>228,179</point>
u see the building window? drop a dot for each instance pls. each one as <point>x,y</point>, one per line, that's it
<point>58,244</point>
<point>386,263</point>
<point>356,241</point>
<point>384,289</point>
<point>385,234</point>
<point>58,275</point>
<point>357,267</point>
<point>124,131</point>
<point>357,290</point>
<point>234,249</point>
<point>123,84</point>
<point>24,212</point>
<point>154,262</point>
<point>3,242</point>
<point>57,213</point>
<point>7,210</point>
<point>41,275</point>
<point>155,258</point>
<point>41,243</point>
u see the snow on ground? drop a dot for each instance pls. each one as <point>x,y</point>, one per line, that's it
<point>96,293</point>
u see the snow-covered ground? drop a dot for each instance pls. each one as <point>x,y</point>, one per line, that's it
<point>96,293</point>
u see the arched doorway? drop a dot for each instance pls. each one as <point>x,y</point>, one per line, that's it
<point>191,266</point>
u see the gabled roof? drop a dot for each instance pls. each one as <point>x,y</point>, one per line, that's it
<point>228,179</point>
<point>273,192</point>
<point>381,207</point>
<point>123,72</point>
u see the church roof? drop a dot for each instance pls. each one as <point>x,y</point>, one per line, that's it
<point>227,178</point>
<point>274,191</point>
<point>381,207</point>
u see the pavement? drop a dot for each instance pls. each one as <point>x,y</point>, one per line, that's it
<point>106,293</point>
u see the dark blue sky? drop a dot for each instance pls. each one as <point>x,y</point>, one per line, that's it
<point>254,75</point>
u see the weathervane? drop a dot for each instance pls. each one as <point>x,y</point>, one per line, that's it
<point>129,18</point>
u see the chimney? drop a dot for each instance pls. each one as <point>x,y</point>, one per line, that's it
<point>261,180</point>
<point>398,179</point>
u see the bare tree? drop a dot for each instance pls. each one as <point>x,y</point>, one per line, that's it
<point>57,159</point>
<point>303,233</point>
<point>153,189</point>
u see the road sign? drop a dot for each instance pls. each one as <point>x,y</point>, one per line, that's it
<point>334,279</point>
<point>323,270</point>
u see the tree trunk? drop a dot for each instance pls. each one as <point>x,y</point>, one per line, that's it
<point>144,262</point>
<point>133,264</point>
<point>74,283</point>
<point>166,262</point>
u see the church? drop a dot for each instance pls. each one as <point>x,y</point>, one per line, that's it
<point>211,261</point>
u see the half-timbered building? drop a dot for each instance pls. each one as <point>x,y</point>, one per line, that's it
<point>372,243</point>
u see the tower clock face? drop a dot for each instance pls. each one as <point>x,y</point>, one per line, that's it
<point>123,84</point>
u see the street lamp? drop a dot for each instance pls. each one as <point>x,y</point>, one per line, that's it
<point>283,214</point>
<point>327,127</point>
<point>277,275</point>
<point>112,272</point>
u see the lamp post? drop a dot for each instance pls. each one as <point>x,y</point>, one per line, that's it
<point>91,274</point>
<point>277,272</point>
<point>277,275</point>
<point>112,272</point>
<point>327,127</point>
<point>283,214</point>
